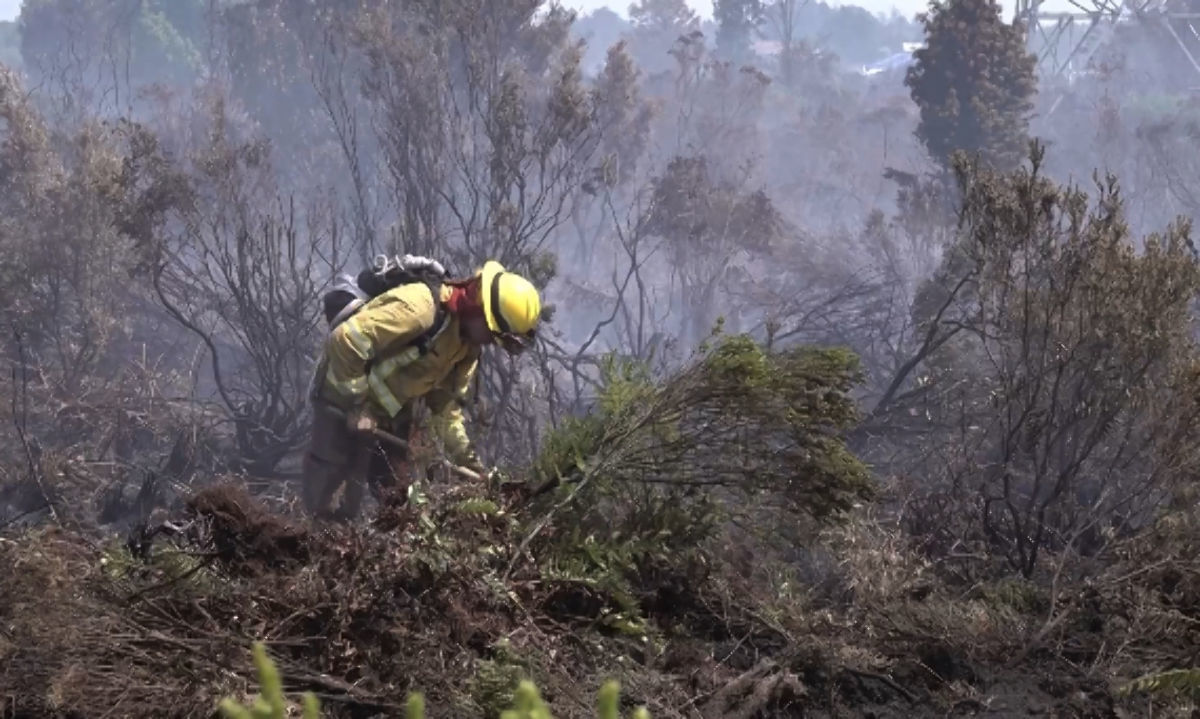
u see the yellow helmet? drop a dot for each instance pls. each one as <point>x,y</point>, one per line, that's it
<point>511,303</point>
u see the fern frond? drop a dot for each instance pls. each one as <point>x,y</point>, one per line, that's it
<point>1174,681</point>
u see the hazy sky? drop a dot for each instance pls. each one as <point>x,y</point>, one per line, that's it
<point>906,7</point>
<point>10,8</point>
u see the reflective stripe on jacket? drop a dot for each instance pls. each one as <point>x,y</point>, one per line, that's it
<point>379,336</point>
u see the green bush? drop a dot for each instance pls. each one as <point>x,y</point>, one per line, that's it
<point>659,462</point>
<point>653,478</point>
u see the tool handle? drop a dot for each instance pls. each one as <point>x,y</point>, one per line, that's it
<point>395,441</point>
<point>463,471</point>
<point>389,438</point>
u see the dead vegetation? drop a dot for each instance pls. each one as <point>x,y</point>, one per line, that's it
<point>939,462</point>
<point>362,617</point>
<point>460,597</point>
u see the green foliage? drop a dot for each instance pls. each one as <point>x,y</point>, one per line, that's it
<point>73,190</point>
<point>651,475</point>
<point>182,570</point>
<point>608,704</point>
<point>740,417</point>
<point>477,506</point>
<point>623,114</point>
<point>525,700</point>
<point>270,704</point>
<point>528,704</point>
<point>802,397</point>
<point>705,213</point>
<point>1175,681</point>
<point>497,678</point>
<point>626,383</point>
<point>163,45</point>
<point>414,708</point>
<point>565,452</point>
<point>974,82</point>
<point>1014,593</point>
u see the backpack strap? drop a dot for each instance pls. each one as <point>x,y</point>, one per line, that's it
<point>424,341</point>
<point>351,307</point>
<point>441,318</point>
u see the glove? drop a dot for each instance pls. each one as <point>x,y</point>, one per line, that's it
<point>360,422</point>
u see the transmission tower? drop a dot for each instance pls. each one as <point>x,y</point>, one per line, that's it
<point>1064,42</point>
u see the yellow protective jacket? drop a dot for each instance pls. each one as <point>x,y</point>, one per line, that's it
<point>371,362</point>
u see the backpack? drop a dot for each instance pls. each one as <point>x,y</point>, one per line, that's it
<point>350,294</point>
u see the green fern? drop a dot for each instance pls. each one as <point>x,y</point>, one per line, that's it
<point>477,506</point>
<point>1175,681</point>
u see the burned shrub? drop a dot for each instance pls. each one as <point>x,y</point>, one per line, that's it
<point>1060,391</point>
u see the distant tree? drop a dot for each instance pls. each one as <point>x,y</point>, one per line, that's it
<point>65,257</point>
<point>116,48</point>
<point>974,83</point>
<point>621,111</point>
<point>657,25</point>
<point>280,54</point>
<point>10,45</point>
<point>854,34</point>
<point>623,116</point>
<point>783,22</point>
<point>721,105</point>
<point>712,226</point>
<point>851,32</point>
<point>737,21</point>
<point>667,16</point>
<point>600,30</point>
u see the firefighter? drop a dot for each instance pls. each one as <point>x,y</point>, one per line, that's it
<point>418,340</point>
